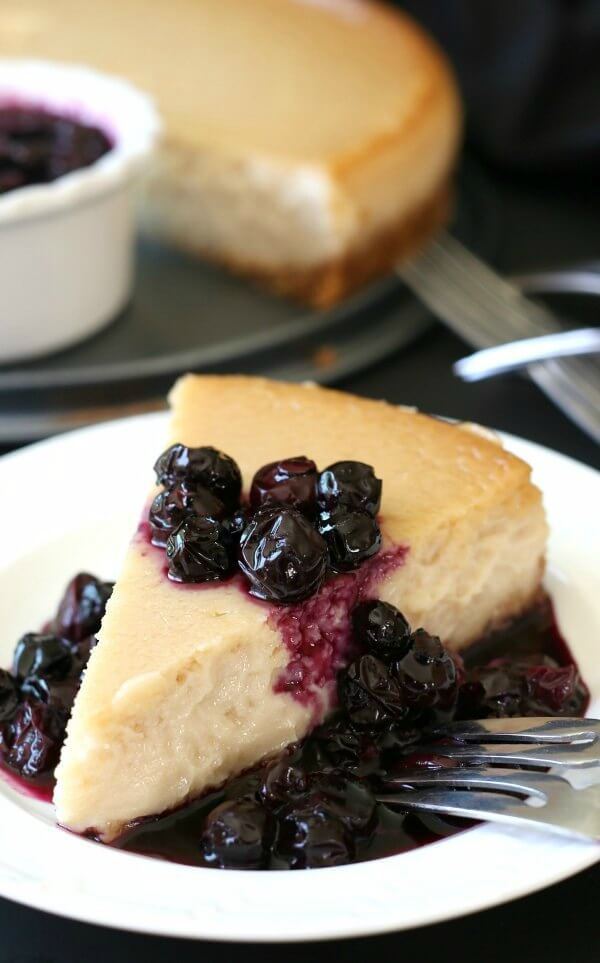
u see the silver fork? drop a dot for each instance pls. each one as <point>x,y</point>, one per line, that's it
<point>486,310</point>
<point>558,800</point>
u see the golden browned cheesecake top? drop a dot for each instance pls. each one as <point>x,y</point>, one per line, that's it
<point>434,472</point>
<point>305,80</point>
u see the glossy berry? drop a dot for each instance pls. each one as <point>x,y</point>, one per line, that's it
<point>311,837</point>
<point>504,689</point>
<point>236,523</point>
<point>553,691</point>
<point>283,783</point>
<point>35,738</point>
<point>292,481</point>
<point>351,485</point>
<point>44,656</point>
<point>381,628</point>
<point>347,749</point>
<point>9,695</point>
<point>234,835</point>
<point>59,695</point>
<point>82,607</point>
<point>370,695</point>
<point>427,678</point>
<point>199,550</point>
<point>205,466</point>
<point>170,507</point>
<point>350,800</point>
<point>351,537</point>
<point>282,555</point>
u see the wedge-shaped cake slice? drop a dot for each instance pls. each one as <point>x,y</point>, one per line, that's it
<point>191,684</point>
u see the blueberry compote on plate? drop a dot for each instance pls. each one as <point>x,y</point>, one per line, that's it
<point>300,535</point>
<point>36,696</point>
<point>38,146</point>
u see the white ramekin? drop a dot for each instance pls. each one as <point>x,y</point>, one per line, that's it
<point>67,248</point>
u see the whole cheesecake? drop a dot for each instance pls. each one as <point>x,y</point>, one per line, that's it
<point>309,143</point>
<point>192,684</point>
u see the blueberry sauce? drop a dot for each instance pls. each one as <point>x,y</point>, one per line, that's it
<point>38,146</point>
<point>314,806</point>
<point>297,794</point>
<point>307,549</point>
<point>318,632</point>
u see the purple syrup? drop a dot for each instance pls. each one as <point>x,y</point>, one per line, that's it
<point>175,835</point>
<point>318,631</point>
<point>42,790</point>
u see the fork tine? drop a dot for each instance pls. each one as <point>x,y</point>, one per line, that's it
<point>569,730</point>
<point>490,794</point>
<point>493,807</point>
<point>500,301</point>
<point>547,756</point>
<point>536,784</point>
<point>486,310</point>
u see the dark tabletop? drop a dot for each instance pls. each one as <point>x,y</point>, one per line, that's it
<point>544,223</point>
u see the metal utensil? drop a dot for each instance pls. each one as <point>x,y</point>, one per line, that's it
<point>519,354</point>
<point>487,310</point>
<point>554,800</point>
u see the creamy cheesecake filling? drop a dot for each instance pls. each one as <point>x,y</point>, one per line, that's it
<point>254,679</point>
<point>318,633</point>
<point>189,685</point>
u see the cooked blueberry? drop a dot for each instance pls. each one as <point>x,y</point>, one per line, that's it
<point>199,550</point>
<point>351,537</point>
<point>310,838</point>
<point>44,656</point>
<point>369,694</point>
<point>504,688</point>
<point>346,748</point>
<point>234,836</point>
<point>553,691</point>
<point>38,146</point>
<point>292,481</point>
<point>381,628</point>
<point>35,738</point>
<point>170,507</point>
<point>206,466</point>
<point>282,555</point>
<point>82,607</point>
<point>59,695</point>
<point>36,688</point>
<point>236,523</point>
<point>282,783</point>
<point>427,678</point>
<point>348,799</point>
<point>9,695</point>
<point>351,485</point>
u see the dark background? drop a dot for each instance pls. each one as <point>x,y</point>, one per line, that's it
<point>530,73</point>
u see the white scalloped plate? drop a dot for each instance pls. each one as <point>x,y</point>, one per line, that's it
<point>71,503</point>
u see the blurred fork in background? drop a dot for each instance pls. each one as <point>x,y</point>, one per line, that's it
<point>486,310</point>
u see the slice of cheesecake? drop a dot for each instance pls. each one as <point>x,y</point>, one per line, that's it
<point>184,688</point>
<point>309,143</point>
